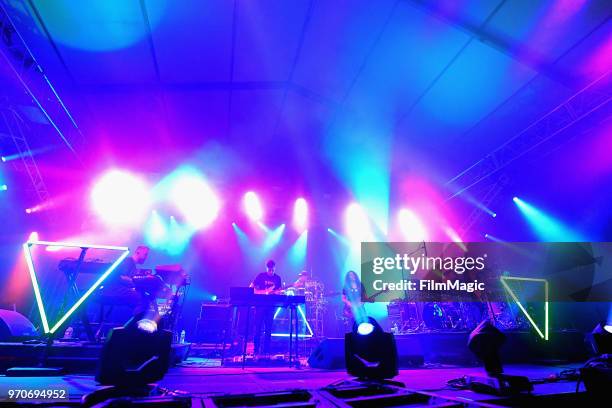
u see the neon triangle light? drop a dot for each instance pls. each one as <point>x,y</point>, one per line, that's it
<point>542,334</point>
<point>41,307</point>
<point>308,333</point>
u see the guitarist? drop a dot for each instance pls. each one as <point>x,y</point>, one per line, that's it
<point>353,297</point>
<point>265,283</point>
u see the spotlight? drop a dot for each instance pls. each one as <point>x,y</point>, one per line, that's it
<point>300,215</point>
<point>120,198</point>
<point>485,342</point>
<point>493,215</point>
<point>195,199</point>
<point>357,223</point>
<point>411,226</point>
<point>597,372</point>
<point>252,206</point>
<point>516,199</point>
<point>3,159</point>
<point>369,352</point>
<point>602,338</point>
<point>147,325</point>
<point>135,355</point>
<point>3,187</point>
<point>365,328</point>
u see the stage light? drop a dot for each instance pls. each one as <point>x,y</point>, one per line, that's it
<point>252,206</point>
<point>357,225</point>
<point>3,187</point>
<point>297,252</point>
<point>454,237</point>
<point>365,328</point>
<point>485,341</point>
<point>597,372</point>
<point>411,226</point>
<point>300,215</point>
<point>133,357</point>
<point>546,227</point>
<point>195,199</point>
<point>3,159</point>
<point>156,231</point>
<point>493,215</point>
<point>602,339</point>
<point>369,352</point>
<point>120,198</point>
<point>147,325</point>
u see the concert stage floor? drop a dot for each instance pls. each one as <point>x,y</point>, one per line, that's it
<point>200,382</point>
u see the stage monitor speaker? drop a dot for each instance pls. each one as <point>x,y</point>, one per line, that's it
<point>329,354</point>
<point>214,323</point>
<point>15,327</point>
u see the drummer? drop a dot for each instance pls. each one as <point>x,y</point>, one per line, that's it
<point>300,283</point>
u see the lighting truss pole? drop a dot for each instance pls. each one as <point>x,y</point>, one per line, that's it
<point>488,198</point>
<point>35,82</point>
<point>593,101</point>
<point>14,124</point>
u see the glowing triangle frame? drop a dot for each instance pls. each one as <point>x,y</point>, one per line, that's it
<point>308,333</point>
<point>79,302</point>
<point>503,280</point>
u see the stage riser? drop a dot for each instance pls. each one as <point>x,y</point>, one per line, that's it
<point>73,358</point>
<point>451,348</point>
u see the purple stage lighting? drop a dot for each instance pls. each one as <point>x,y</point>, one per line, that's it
<point>120,198</point>
<point>300,215</point>
<point>196,200</point>
<point>252,206</point>
<point>357,224</point>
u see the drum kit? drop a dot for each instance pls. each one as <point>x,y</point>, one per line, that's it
<point>316,303</point>
<point>411,317</point>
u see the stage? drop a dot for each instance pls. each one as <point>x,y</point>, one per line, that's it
<point>245,203</point>
<point>203,383</point>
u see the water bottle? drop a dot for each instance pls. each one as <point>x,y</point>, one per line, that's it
<point>182,338</point>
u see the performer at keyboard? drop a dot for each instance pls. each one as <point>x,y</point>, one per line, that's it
<point>265,283</point>
<point>123,290</point>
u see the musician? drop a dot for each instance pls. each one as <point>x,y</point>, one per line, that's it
<point>352,290</point>
<point>300,283</point>
<point>121,289</point>
<point>265,283</point>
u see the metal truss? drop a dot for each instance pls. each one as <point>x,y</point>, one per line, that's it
<point>593,101</point>
<point>487,198</point>
<point>15,125</point>
<point>35,82</point>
